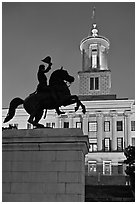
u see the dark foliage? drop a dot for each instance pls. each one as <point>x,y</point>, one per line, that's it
<point>130,164</point>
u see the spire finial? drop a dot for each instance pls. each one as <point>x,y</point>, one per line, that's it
<point>93,15</point>
<point>94,29</point>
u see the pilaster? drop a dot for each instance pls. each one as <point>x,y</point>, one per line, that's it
<point>99,131</point>
<point>70,116</point>
<point>85,123</point>
<point>114,136</point>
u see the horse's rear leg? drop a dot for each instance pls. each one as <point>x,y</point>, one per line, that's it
<point>38,116</point>
<point>30,120</point>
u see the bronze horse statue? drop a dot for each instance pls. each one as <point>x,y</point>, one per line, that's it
<point>35,104</point>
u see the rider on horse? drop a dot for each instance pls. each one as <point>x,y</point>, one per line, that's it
<point>43,87</point>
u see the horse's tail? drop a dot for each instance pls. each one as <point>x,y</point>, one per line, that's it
<point>12,108</point>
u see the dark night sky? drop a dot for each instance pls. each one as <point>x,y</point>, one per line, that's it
<point>31,31</point>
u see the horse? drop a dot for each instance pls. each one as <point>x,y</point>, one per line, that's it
<point>36,103</point>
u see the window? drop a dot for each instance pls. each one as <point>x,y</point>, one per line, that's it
<point>92,167</point>
<point>119,144</point>
<point>133,141</point>
<point>94,83</point>
<point>107,167</point>
<point>107,144</point>
<point>132,125</point>
<point>79,125</point>
<point>66,124</point>
<point>120,168</point>
<point>94,60</point>
<point>119,125</point>
<point>53,125</point>
<point>107,126</point>
<point>92,126</point>
<point>47,124</point>
<point>94,56</point>
<point>93,147</point>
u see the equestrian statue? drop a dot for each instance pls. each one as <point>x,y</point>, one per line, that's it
<point>51,96</point>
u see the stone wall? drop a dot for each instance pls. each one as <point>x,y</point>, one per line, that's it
<point>44,165</point>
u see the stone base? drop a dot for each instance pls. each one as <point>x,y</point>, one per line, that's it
<point>44,165</point>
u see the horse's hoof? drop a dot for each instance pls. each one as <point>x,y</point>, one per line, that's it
<point>84,110</point>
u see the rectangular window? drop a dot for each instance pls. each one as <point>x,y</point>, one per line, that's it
<point>132,125</point>
<point>93,147</point>
<point>120,168</point>
<point>107,167</point>
<point>79,125</point>
<point>47,124</point>
<point>91,83</point>
<point>53,125</point>
<point>106,126</point>
<point>94,59</point>
<point>133,141</point>
<point>94,83</point>
<point>119,125</point>
<point>92,126</point>
<point>120,144</point>
<point>92,167</point>
<point>66,124</point>
<point>107,144</point>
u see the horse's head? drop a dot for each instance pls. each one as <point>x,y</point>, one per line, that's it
<point>65,75</point>
<point>61,75</point>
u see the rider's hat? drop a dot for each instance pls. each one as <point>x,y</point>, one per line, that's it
<point>47,60</point>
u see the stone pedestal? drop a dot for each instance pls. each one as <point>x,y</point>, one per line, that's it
<point>44,165</point>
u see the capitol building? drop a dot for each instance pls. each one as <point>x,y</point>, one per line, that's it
<point>109,121</point>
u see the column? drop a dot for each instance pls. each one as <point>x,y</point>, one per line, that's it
<point>125,130</point>
<point>70,116</point>
<point>99,131</point>
<point>83,59</point>
<point>128,129</point>
<point>114,136</point>
<point>98,56</point>
<point>58,122</point>
<point>85,124</point>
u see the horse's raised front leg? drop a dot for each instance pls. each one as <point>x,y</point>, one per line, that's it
<point>78,102</point>
<point>74,99</point>
<point>83,107</point>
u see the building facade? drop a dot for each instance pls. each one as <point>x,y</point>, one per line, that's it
<point>109,121</point>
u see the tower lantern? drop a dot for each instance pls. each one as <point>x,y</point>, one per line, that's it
<point>95,77</point>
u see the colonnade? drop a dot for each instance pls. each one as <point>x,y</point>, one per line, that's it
<point>100,134</point>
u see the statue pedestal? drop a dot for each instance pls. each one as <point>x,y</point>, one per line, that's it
<point>44,165</point>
